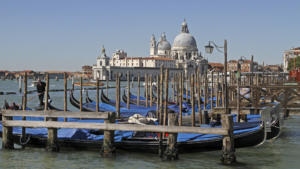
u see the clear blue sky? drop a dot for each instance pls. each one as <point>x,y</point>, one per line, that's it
<point>64,35</point>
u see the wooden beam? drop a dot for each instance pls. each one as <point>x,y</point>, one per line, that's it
<point>122,127</point>
<point>49,113</point>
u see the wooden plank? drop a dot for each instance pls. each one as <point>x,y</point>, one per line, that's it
<point>90,115</point>
<point>122,127</point>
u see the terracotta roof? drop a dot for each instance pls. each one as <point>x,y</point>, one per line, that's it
<point>215,64</point>
<point>146,58</point>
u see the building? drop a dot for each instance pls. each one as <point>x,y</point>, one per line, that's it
<point>273,68</point>
<point>218,67</point>
<point>288,56</point>
<point>182,56</point>
<point>245,65</point>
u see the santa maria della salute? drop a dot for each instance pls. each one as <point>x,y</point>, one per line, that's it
<point>182,56</point>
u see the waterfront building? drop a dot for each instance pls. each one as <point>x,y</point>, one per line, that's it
<point>182,56</point>
<point>289,55</point>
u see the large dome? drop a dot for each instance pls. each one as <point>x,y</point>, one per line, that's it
<point>164,45</point>
<point>184,41</point>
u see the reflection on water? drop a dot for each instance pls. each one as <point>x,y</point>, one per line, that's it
<point>282,153</point>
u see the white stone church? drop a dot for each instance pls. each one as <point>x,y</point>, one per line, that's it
<point>182,56</point>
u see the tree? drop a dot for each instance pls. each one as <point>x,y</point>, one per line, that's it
<point>291,63</point>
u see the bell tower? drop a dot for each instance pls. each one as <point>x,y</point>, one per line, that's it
<point>153,47</point>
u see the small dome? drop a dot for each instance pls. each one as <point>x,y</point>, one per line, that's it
<point>184,41</point>
<point>164,45</point>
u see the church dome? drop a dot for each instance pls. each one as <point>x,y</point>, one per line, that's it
<point>184,41</point>
<point>164,45</point>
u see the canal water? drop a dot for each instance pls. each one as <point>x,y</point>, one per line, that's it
<point>282,153</point>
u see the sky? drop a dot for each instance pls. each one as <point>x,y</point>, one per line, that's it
<point>64,35</point>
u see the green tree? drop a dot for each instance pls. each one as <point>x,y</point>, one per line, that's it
<point>291,63</point>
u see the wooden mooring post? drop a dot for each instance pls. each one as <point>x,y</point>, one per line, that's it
<point>24,105</point>
<point>166,96</point>
<point>228,156</point>
<point>80,107</point>
<point>118,95</point>
<point>128,90</point>
<point>108,148</point>
<point>171,152</point>
<point>151,88</point>
<point>180,97</point>
<point>192,91</point>
<point>146,89</point>
<point>97,95</point>
<point>139,88</point>
<point>65,93</point>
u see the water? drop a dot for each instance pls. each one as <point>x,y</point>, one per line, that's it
<point>282,153</point>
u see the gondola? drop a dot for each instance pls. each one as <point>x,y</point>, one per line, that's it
<point>133,100</point>
<point>245,134</point>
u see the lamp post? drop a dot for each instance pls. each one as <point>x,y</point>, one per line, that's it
<point>209,49</point>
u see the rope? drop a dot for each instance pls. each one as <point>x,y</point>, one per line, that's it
<point>26,141</point>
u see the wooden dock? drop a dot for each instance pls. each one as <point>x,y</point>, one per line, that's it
<point>201,86</point>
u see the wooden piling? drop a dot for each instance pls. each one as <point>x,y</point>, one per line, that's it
<point>158,96</point>
<point>139,89</point>
<point>108,149</point>
<point>173,88</point>
<point>205,91</point>
<point>25,92</point>
<point>186,88</point>
<point>192,99</point>
<point>238,99</point>
<point>80,107</point>
<point>65,94</point>
<point>24,103</point>
<point>161,95</point>
<point>212,91</point>
<point>128,90</point>
<point>97,95</point>
<point>146,89</point>
<point>52,144</point>
<point>180,98</point>
<point>46,92</point>
<point>166,97</point>
<point>218,91</point>
<point>177,89</point>
<point>228,156</point>
<point>106,85</point>
<point>118,95</point>
<point>7,135</point>
<point>199,97</point>
<point>151,92</point>
<point>171,152</point>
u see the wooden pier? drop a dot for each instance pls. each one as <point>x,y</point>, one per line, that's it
<point>210,85</point>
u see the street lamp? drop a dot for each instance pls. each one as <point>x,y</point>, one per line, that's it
<point>209,49</point>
